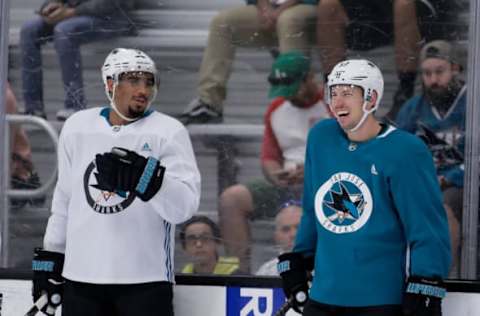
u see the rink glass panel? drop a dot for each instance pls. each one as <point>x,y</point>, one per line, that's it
<point>174,34</point>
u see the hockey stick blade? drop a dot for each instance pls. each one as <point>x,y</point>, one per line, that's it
<point>38,305</point>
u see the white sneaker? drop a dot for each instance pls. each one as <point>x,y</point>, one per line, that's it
<point>64,114</point>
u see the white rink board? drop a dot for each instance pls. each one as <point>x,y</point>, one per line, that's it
<point>219,301</point>
<point>17,298</point>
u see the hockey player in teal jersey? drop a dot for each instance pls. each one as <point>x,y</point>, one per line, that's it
<point>374,227</point>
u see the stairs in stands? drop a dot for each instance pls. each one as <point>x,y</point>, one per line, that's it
<point>175,35</point>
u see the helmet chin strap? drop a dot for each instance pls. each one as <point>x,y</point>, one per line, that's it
<point>364,116</point>
<point>129,119</point>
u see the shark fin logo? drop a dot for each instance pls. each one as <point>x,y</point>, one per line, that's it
<point>343,204</point>
<point>101,198</point>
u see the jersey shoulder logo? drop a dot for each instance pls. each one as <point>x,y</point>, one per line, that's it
<point>146,147</point>
<point>343,203</point>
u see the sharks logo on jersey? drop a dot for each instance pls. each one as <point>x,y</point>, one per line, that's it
<point>343,204</point>
<point>102,201</point>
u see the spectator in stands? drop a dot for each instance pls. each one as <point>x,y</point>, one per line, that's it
<point>69,24</point>
<point>262,23</point>
<point>286,223</point>
<point>200,238</point>
<point>437,115</point>
<point>298,104</point>
<point>373,23</point>
<point>23,175</point>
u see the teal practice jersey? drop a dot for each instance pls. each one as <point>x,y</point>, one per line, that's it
<point>373,214</point>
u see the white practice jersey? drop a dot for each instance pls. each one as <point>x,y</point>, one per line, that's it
<point>115,237</point>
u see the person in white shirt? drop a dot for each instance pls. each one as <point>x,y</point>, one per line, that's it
<point>127,175</point>
<point>286,224</point>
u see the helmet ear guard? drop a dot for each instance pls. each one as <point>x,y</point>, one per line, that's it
<point>368,95</point>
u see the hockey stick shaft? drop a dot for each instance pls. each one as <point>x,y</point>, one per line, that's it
<point>38,305</point>
<point>285,307</point>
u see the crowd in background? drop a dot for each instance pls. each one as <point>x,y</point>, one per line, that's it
<point>293,31</point>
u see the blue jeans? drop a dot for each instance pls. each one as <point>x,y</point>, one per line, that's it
<point>67,37</point>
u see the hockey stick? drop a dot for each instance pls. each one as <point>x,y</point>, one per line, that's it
<point>285,307</point>
<point>301,296</point>
<point>38,305</point>
<point>289,303</point>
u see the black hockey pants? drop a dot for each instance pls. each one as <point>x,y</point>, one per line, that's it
<point>146,299</point>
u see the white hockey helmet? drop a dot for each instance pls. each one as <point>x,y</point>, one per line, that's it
<point>362,73</point>
<point>358,72</point>
<point>122,60</point>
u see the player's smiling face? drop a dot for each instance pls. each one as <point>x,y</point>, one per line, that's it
<point>346,103</point>
<point>134,92</point>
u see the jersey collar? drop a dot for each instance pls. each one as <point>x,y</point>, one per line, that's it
<point>105,113</point>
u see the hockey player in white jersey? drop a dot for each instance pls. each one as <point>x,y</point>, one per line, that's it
<point>127,175</point>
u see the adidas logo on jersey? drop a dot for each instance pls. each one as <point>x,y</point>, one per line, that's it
<point>146,147</point>
<point>373,170</point>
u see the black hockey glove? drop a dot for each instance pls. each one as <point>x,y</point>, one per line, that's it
<point>293,267</point>
<point>423,297</point>
<point>47,269</point>
<point>125,170</point>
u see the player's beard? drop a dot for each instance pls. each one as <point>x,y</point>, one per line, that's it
<point>135,112</point>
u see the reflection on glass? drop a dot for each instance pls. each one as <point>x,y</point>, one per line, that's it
<point>437,116</point>
<point>54,70</point>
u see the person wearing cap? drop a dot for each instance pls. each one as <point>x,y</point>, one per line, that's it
<point>283,24</point>
<point>364,25</point>
<point>373,227</point>
<point>297,105</point>
<point>437,115</point>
